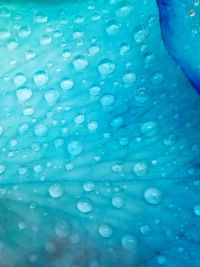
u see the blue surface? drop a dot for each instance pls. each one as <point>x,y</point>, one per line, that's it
<point>99,137</point>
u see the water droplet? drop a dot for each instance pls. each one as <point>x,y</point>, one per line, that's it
<point>129,78</point>
<point>107,100</point>
<point>157,78</point>
<point>40,18</point>
<point>24,93</point>
<point>2,168</point>
<point>4,34</point>
<point>140,34</point>
<point>19,79</point>
<point>66,84</point>
<point>149,128</point>
<point>45,39</point>
<point>129,242</point>
<point>80,62</point>
<point>41,130</point>
<point>106,230</point>
<point>24,32</point>
<point>153,195</point>
<point>89,186</point>
<point>1,130</point>
<point>56,190</point>
<point>197,210</point>
<point>145,229</point>
<point>92,126</point>
<point>40,78</point>
<point>112,27</point>
<point>106,67</point>
<point>142,95</point>
<point>30,54</point>
<point>75,148</point>
<point>117,167</point>
<point>62,229</point>
<point>84,205</point>
<point>140,168</point>
<point>51,96</point>
<point>161,260</point>
<point>12,44</point>
<point>94,90</point>
<point>117,202</point>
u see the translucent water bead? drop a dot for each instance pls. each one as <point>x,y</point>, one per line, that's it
<point>153,195</point>
<point>85,205</point>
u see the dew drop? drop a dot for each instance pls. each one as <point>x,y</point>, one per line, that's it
<point>140,34</point>
<point>66,84</point>
<point>51,96</point>
<point>106,230</point>
<point>107,100</point>
<point>140,168</point>
<point>62,229</point>
<point>129,242</point>
<point>2,168</point>
<point>80,62</point>
<point>75,148</point>
<point>149,128</point>
<point>117,202</point>
<point>112,27</point>
<point>89,186</point>
<point>56,190</point>
<point>41,130</point>
<point>84,205</point>
<point>40,78</point>
<point>19,79</point>
<point>197,210</point>
<point>24,93</point>
<point>153,195</point>
<point>106,67</point>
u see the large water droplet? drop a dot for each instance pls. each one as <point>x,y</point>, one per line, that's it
<point>197,210</point>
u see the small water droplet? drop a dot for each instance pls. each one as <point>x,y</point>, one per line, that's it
<point>89,186</point>
<point>129,242</point>
<point>140,168</point>
<point>84,205</point>
<point>41,130</point>
<point>80,62</point>
<point>51,96</point>
<point>107,100</point>
<point>56,190</point>
<point>75,148</point>
<point>66,84</point>
<point>149,128</point>
<point>106,67</point>
<point>24,94</point>
<point>106,230</point>
<point>117,202</point>
<point>197,210</point>
<point>40,78</point>
<point>153,195</point>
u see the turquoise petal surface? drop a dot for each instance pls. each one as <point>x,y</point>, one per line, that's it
<point>99,136</point>
<point>180,28</point>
